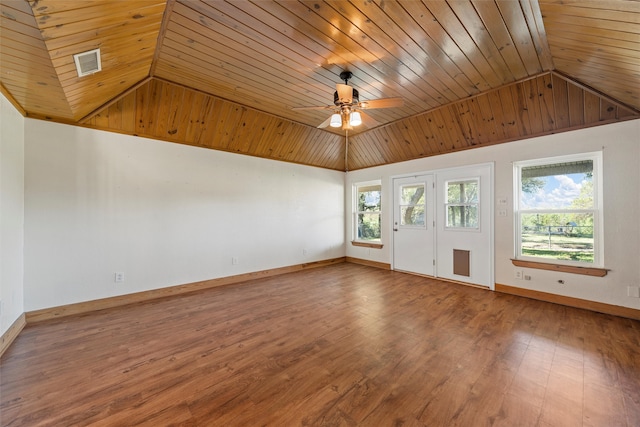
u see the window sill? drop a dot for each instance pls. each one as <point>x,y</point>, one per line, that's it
<point>587,271</point>
<point>367,244</point>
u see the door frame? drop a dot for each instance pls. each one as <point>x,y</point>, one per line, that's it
<point>439,213</point>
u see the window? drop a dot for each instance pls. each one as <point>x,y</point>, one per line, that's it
<point>368,206</point>
<point>462,203</point>
<point>558,210</point>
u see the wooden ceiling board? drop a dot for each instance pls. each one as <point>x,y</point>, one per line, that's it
<point>125,55</point>
<point>392,67</point>
<point>18,22</point>
<point>183,39</point>
<point>506,26</point>
<point>157,109</point>
<point>267,69</point>
<point>469,32</point>
<point>373,20</point>
<point>338,56</point>
<point>26,70</point>
<point>533,16</point>
<point>589,39</point>
<point>225,74</point>
<point>547,103</point>
<point>451,49</point>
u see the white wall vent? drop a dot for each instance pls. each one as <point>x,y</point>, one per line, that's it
<point>88,62</point>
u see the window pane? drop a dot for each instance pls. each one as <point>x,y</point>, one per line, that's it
<point>412,215</point>
<point>462,192</point>
<point>566,236</point>
<point>369,226</point>
<point>557,186</point>
<point>462,216</point>
<point>369,200</point>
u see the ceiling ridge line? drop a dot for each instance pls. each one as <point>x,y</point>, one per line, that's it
<point>168,11</point>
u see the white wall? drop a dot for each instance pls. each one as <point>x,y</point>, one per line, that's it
<point>165,214</point>
<point>11,214</point>
<point>621,163</point>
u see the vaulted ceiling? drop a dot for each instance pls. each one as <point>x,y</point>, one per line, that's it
<point>226,75</point>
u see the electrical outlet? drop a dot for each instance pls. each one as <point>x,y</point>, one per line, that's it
<point>235,261</point>
<point>633,291</point>
<point>527,277</point>
<point>118,277</point>
<point>518,274</point>
<point>304,252</point>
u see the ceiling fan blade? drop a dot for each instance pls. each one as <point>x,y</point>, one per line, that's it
<point>325,123</point>
<point>368,121</point>
<point>324,107</point>
<point>382,103</point>
<point>345,93</point>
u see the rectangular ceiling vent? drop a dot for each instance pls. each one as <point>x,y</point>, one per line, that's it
<point>88,62</point>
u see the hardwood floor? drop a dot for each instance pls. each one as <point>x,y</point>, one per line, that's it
<point>343,345</point>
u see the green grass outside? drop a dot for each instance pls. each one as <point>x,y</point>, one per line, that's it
<point>563,247</point>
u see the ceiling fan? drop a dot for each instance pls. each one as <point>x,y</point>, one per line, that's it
<point>347,106</point>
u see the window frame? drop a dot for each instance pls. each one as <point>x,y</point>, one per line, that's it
<point>596,210</point>
<point>356,213</point>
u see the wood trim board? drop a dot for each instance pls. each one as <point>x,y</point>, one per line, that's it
<point>586,271</point>
<point>367,244</point>
<point>12,333</point>
<point>369,263</point>
<point>120,300</point>
<point>600,307</point>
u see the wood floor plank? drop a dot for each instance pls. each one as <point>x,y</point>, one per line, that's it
<point>342,345</point>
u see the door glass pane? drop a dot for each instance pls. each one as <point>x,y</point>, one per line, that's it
<point>412,194</point>
<point>462,192</point>
<point>412,215</point>
<point>462,216</point>
<point>412,205</point>
<point>462,204</point>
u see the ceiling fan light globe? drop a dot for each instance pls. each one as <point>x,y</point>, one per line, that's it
<point>336,121</point>
<point>355,119</point>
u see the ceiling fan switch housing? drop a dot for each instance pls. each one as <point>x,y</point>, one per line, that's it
<point>355,98</point>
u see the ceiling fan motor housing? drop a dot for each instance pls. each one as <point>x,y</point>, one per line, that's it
<point>355,98</point>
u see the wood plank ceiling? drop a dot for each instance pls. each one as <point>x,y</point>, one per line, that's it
<point>226,74</point>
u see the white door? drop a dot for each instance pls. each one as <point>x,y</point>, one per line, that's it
<point>465,224</point>
<point>413,224</point>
